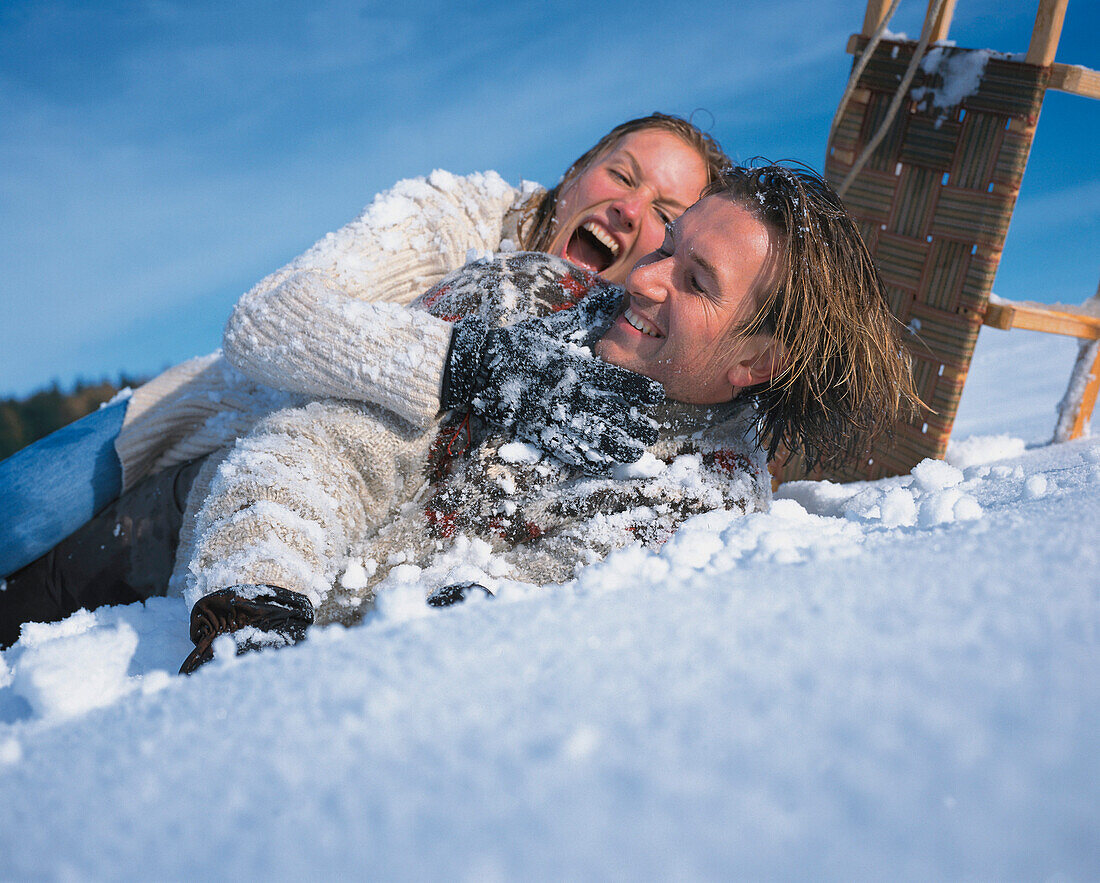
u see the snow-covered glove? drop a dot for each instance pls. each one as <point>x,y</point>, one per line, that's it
<point>550,391</point>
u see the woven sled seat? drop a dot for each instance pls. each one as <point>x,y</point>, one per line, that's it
<point>933,202</point>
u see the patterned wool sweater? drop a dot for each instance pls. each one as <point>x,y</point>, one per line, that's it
<point>331,481</point>
<point>305,328</point>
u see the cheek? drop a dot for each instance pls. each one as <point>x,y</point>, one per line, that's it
<point>561,210</point>
<point>584,194</point>
<point>694,350</point>
<point>712,361</point>
<point>571,198</point>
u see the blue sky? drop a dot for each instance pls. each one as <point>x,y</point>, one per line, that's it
<point>158,158</point>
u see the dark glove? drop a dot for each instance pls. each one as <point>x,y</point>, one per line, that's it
<point>285,615</point>
<point>447,596</point>
<point>574,406</point>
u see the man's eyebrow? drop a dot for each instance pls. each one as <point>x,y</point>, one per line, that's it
<point>679,207</point>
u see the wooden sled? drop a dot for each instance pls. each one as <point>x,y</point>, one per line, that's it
<point>930,167</point>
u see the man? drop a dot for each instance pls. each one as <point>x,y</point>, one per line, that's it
<point>762,293</point>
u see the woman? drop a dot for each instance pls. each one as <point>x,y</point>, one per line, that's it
<point>609,209</point>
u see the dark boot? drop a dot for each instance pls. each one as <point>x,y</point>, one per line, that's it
<point>124,554</point>
<point>283,614</point>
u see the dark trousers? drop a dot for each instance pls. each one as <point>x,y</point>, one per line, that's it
<point>124,554</point>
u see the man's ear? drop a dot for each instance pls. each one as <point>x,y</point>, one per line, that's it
<point>760,358</point>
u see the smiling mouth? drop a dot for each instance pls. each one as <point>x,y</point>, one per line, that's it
<point>591,247</point>
<point>637,322</point>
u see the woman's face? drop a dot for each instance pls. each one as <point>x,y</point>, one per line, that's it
<point>616,210</point>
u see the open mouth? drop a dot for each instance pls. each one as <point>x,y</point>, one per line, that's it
<point>591,247</point>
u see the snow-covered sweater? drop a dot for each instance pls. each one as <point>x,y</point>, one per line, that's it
<point>308,327</point>
<point>315,486</point>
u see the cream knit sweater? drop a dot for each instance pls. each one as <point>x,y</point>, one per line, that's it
<point>315,485</point>
<point>307,327</point>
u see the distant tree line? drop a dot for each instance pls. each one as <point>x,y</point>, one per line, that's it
<point>26,420</point>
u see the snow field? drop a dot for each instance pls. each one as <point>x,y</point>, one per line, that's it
<point>893,679</point>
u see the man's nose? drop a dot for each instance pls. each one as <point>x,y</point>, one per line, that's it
<point>649,280</point>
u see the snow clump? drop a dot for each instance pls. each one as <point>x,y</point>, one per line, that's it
<point>961,74</point>
<point>68,670</point>
<point>935,475</point>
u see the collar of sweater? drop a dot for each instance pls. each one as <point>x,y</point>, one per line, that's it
<point>681,418</point>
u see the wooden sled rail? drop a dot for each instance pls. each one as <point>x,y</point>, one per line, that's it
<point>1036,317</point>
<point>1075,79</point>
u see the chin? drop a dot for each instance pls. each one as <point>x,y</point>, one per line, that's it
<point>614,353</point>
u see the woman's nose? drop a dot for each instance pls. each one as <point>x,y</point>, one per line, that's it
<point>629,210</point>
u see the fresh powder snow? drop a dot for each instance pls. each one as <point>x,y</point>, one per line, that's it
<point>893,680</point>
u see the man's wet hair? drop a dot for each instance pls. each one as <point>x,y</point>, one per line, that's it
<point>845,378</point>
<point>538,227</point>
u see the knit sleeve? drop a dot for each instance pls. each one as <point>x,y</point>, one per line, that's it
<point>288,501</point>
<point>299,328</point>
<point>311,339</point>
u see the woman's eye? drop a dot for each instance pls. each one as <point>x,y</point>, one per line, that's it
<point>695,286</point>
<point>619,176</point>
<point>665,217</point>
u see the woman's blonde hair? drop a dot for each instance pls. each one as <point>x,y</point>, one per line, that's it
<point>845,377</point>
<point>538,227</point>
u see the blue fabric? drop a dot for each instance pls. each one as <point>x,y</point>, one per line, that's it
<point>50,488</point>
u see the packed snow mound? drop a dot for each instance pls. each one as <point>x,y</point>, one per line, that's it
<point>979,449</point>
<point>74,668</point>
<point>934,493</point>
<point>891,679</point>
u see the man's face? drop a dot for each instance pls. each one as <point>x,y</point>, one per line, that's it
<point>615,211</point>
<point>683,299</point>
